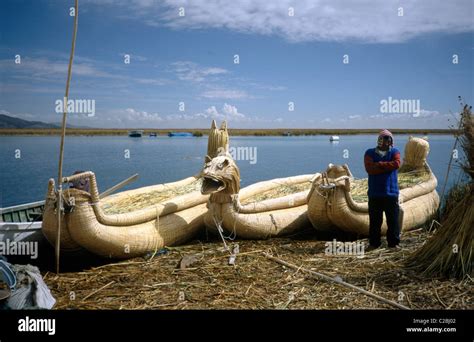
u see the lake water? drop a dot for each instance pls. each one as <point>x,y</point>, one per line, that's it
<point>164,159</point>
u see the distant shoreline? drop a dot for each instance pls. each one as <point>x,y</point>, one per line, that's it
<point>205,131</point>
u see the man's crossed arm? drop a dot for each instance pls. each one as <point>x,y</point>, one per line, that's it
<point>376,168</point>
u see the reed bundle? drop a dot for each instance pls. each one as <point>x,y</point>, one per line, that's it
<point>280,191</point>
<point>449,252</point>
<point>128,203</point>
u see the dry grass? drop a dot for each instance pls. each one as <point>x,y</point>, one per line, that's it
<point>450,252</point>
<point>280,191</point>
<point>256,282</point>
<point>144,200</point>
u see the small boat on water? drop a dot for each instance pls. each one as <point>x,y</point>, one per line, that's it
<point>153,134</point>
<point>334,138</point>
<point>22,222</point>
<point>180,134</point>
<point>130,223</point>
<point>266,209</point>
<point>337,201</point>
<point>137,133</point>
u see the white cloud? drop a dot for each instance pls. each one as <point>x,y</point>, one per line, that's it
<point>265,86</point>
<point>180,117</point>
<point>232,112</point>
<point>323,20</point>
<point>428,113</point>
<point>133,115</point>
<point>225,94</point>
<point>228,112</point>
<point>189,71</point>
<point>150,81</point>
<point>423,114</point>
<point>354,117</point>
<point>130,117</point>
<point>44,69</point>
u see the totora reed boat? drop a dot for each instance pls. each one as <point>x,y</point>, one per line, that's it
<point>338,201</point>
<point>266,209</point>
<point>130,223</point>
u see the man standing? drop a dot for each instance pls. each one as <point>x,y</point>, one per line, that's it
<point>382,163</point>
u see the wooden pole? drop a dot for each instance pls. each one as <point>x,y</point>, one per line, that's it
<point>63,134</point>
<point>118,186</point>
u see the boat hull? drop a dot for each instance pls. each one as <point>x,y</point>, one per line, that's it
<point>128,234</point>
<point>265,219</point>
<point>332,208</point>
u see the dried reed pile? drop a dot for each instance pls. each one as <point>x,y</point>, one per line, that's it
<point>449,253</point>
<point>255,282</point>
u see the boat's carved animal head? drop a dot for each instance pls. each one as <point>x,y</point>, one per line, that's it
<point>220,175</point>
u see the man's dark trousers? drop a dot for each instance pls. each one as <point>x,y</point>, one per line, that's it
<point>377,206</point>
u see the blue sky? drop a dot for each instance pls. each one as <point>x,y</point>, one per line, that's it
<point>283,59</point>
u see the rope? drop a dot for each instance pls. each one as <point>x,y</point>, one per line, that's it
<point>63,134</point>
<point>220,230</point>
<point>274,222</point>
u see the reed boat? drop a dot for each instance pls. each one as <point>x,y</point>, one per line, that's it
<point>130,223</point>
<point>338,201</point>
<point>266,209</point>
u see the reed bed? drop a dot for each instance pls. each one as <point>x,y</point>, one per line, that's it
<point>449,253</point>
<point>129,203</point>
<point>280,191</point>
<point>255,282</point>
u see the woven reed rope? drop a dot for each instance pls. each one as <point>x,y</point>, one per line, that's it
<point>50,222</point>
<point>337,208</point>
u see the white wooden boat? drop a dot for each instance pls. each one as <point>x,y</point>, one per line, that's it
<point>22,222</point>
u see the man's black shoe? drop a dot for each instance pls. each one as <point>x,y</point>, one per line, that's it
<point>371,248</point>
